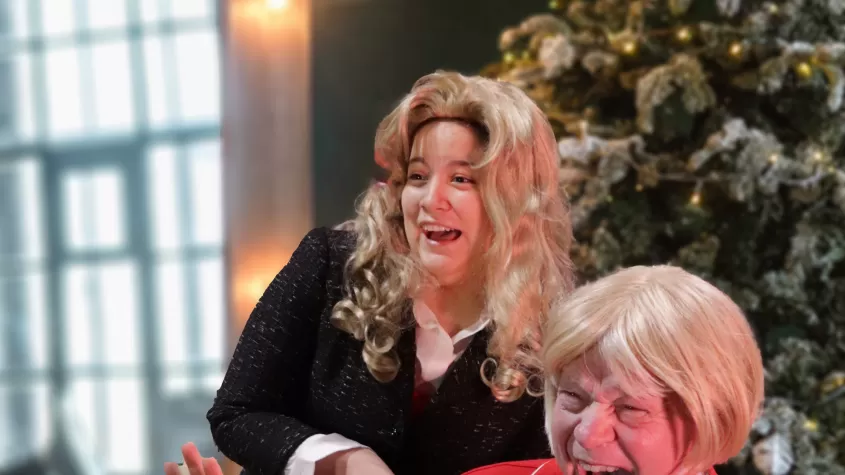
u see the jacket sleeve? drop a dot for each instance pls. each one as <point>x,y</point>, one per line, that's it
<point>254,418</point>
<point>531,442</point>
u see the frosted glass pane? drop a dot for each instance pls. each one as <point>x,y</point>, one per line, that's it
<point>198,76</point>
<point>79,288</point>
<point>212,382</point>
<point>176,384</point>
<point>109,209</point>
<point>24,97</point>
<point>39,330</point>
<point>24,422</point>
<point>102,301</point>
<point>154,68</point>
<point>81,412</point>
<point>209,275</point>
<point>30,202</point>
<point>74,209</point>
<point>117,299</point>
<point>17,119</point>
<point>59,17</point>
<point>125,419</point>
<point>172,312</point>
<point>21,191</point>
<point>105,14</point>
<point>151,11</point>
<point>23,338</point>
<point>161,165</point>
<point>64,93</point>
<point>94,209</point>
<point>113,103</point>
<point>207,193</point>
<point>17,18</point>
<point>191,9</point>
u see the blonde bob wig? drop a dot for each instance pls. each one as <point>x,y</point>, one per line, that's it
<point>663,331</point>
<point>526,266</point>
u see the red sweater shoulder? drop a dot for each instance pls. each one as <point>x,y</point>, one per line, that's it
<point>528,467</point>
<point>522,467</point>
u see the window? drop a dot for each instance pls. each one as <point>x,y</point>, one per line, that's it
<point>111,274</point>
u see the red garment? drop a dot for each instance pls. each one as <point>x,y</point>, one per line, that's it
<point>528,467</point>
<point>421,398</point>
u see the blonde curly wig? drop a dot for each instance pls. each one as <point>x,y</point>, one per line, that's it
<point>527,265</point>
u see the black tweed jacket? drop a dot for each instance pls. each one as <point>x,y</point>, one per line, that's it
<point>294,375</point>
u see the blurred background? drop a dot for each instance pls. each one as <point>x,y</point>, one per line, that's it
<point>121,258</point>
<point>161,159</point>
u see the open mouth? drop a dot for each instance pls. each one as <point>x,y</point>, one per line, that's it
<point>440,234</point>
<point>602,469</point>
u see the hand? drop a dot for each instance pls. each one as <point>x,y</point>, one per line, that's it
<point>197,465</point>
<point>351,462</point>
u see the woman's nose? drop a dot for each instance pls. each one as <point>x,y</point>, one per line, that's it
<point>596,427</point>
<point>435,196</point>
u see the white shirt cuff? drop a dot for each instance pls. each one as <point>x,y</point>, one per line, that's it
<point>316,448</point>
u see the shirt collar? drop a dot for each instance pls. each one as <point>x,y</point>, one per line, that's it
<point>427,320</point>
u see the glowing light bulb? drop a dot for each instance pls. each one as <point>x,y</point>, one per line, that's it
<point>695,198</point>
<point>736,49</point>
<point>804,70</point>
<point>684,34</point>
<point>277,4</point>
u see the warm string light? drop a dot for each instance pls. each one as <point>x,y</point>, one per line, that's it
<point>695,199</point>
<point>684,34</point>
<point>773,158</point>
<point>804,69</point>
<point>736,49</point>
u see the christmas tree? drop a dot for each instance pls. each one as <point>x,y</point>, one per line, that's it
<point>710,134</point>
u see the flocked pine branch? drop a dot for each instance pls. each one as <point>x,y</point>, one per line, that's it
<point>711,134</point>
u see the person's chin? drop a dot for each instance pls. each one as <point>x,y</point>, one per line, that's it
<point>441,269</point>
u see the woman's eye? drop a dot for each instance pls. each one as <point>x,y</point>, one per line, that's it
<point>570,396</point>
<point>463,179</point>
<point>415,176</point>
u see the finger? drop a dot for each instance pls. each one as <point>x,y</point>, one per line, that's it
<point>211,466</point>
<point>193,459</point>
<point>171,468</point>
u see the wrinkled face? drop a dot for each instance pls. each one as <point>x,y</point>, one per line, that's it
<point>445,222</point>
<point>597,428</point>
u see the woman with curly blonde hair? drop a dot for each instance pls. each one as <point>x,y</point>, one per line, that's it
<point>408,341</point>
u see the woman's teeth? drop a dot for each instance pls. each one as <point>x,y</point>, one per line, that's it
<point>601,469</point>
<point>440,233</point>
